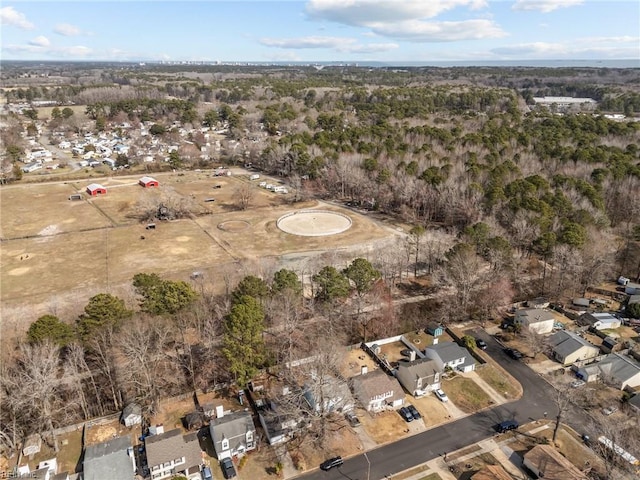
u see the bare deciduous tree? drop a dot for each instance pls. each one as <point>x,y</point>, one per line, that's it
<point>244,193</point>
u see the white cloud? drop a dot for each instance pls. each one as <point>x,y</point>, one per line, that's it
<point>10,16</point>
<point>576,49</point>
<point>77,51</point>
<point>306,42</point>
<point>418,31</point>
<point>407,19</point>
<point>338,44</point>
<point>67,30</point>
<point>363,12</point>
<point>544,6</point>
<point>40,41</point>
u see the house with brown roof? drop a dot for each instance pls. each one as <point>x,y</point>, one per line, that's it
<point>546,462</point>
<point>171,453</point>
<point>491,472</point>
<point>377,391</point>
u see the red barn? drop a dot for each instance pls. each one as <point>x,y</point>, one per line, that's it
<point>96,189</point>
<point>147,182</point>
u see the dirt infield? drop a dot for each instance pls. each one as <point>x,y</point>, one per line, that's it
<point>314,223</point>
<point>57,253</point>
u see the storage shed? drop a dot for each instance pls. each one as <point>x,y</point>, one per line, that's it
<point>148,182</point>
<point>96,189</point>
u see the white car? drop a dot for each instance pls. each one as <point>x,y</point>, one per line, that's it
<point>577,383</point>
<point>441,395</point>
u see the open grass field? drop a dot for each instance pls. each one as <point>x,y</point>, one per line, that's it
<point>59,251</point>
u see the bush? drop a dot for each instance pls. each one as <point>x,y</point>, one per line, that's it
<point>242,462</point>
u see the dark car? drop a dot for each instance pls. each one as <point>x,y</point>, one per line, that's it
<point>414,412</point>
<point>228,469</point>
<point>353,420</point>
<point>481,344</point>
<point>332,462</point>
<point>406,414</point>
<point>405,352</point>
<point>513,353</point>
<point>507,425</point>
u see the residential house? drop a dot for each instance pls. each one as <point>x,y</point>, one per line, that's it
<point>233,435</point>
<point>32,167</point>
<point>568,347</point>
<point>634,402</point>
<point>599,321</point>
<point>419,376</point>
<point>615,369</point>
<point>491,472</point>
<point>109,460</point>
<point>540,302</point>
<point>377,391</point>
<point>546,462</point>
<point>632,288</point>
<point>171,453</point>
<point>327,394</point>
<point>451,355</point>
<point>131,415</point>
<point>535,319</point>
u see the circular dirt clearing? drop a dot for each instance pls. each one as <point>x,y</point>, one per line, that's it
<point>314,223</point>
<point>233,226</point>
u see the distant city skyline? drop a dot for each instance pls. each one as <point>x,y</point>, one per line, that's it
<point>393,32</point>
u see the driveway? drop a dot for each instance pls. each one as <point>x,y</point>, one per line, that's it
<point>411,451</point>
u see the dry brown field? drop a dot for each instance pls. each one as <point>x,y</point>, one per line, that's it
<point>57,251</point>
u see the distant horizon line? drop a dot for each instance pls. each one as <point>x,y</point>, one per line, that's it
<point>595,63</point>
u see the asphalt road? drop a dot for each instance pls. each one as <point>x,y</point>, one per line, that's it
<point>411,451</point>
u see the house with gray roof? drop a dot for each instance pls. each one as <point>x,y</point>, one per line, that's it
<point>377,391</point>
<point>451,355</point>
<point>599,321</point>
<point>233,435</point>
<point>615,369</point>
<point>131,415</point>
<point>172,453</point>
<point>108,460</point>
<point>419,376</point>
<point>535,319</point>
<point>568,347</point>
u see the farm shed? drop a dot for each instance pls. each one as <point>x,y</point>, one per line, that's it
<point>96,189</point>
<point>148,182</point>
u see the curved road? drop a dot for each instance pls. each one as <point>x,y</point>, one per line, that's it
<point>409,452</point>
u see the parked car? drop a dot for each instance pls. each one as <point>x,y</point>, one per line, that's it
<point>577,383</point>
<point>405,352</point>
<point>406,414</point>
<point>507,425</point>
<point>206,474</point>
<point>228,469</point>
<point>609,410</point>
<point>481,344</point>
<point>513,353</point>
<point>332,462</point>
<point>353,420</point>
<point>441,395</point>
<point>414,412</point>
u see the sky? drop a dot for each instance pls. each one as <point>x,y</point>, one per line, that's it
<point>393,31</point>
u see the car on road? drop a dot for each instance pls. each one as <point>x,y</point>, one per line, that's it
<point>507,425</point>
<point>406,414</point>
<point>441,395</point>
<point>414,411</point>
<point>228,469</point>
<point>481,344</point>
<point>577,383</point>
<point>353,420</point>
<point>513,353</point>
<point>330,463</point>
